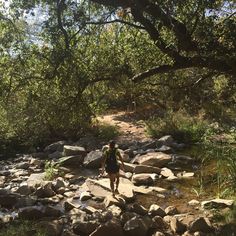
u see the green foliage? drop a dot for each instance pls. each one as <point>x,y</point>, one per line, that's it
<point>106,131</point>
<point>180,125</point>
<point>51,170</point>
<point>22,228</point>
<point>225,168</point>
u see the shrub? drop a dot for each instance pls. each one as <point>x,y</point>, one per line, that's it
<point>22,228</point>
<point>180,125</point>
<point>51,170</point>
<point>106,131</point>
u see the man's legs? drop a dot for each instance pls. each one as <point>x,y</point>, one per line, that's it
<point>112,180</point>
<point>117,181</point>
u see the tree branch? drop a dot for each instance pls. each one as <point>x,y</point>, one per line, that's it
<point>115,21</point>
<point>159,70</point>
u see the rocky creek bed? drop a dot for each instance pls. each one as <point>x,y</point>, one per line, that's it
<point>79,202</point>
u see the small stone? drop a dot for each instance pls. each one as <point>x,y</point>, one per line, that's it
<point>171,210</point>
<point>85,196</point>
<point>193,202</point>
<point>139,209</point>
<point>115,210</point>
<point>117,201</point>
<point>156,210</point>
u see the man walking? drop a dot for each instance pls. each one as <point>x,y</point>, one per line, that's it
<point>111,165</point>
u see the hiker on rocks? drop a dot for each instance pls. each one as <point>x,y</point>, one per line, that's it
<point>111,165</point>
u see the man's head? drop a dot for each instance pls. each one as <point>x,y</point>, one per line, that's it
<point>112,144</point>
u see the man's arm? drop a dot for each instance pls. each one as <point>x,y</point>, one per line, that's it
<point>104,157</point>
<point>121,160</point>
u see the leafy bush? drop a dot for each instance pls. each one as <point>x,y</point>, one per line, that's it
<point>51,170</point>
<point>106,131</point>
<point>180,125</point>
<point>22,228</point>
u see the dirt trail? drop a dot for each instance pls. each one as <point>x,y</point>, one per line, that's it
<point>130,128</point>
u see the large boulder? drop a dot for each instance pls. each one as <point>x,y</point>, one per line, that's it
<point>35,179</point>
<point>45,190</point>
<point>101,188</point>
<point>74,161</point>
<point>117,201</point>
<point>74,151</point>
<point>201,224</point>
<point>112,227</point>
<point>217,203</point>
<point>157,159</point>
<point>31,213</point>
<point>9,200</point>
<point>84,227</point>
<point>93,159</point>
<point>177,226</point>
<point>57,146</point>
<point>135,227</point>
<point>146,169</point>
<point>24,189</point>
<point>142,179</point>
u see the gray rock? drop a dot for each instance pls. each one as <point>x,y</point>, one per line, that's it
<point>217,203</point>
<point>45,190</point>
<point>177,226</point>
<point>157,159</point>
<point>85,196</point>
<point>135,227</point>
<point>142,179</point>
<point>165,172</point>
<point>31,213</point>
<point>115,210</point>
<point>93,159</point>
<point>171,210</point>
<point>84,227</point>
<point>139,209</point>
<point>58,183</point>
<point>22,165</point>
<point>55,155</point>
<point>146,169</point>
<point>35,179</point>
<point>117,201</point>
<point>51,211</point>
<point>25,190</point>
<point>126,216</point>
<point>74,151</point>
<point>36,162</point>
<point>101,188</point>
<point>166,140</point>
<point>200,224</point>
<point>159,223</point>
<point>164,149</point>
<point>57,146</point>
<point>74,161</point>
<point>156,210</point>
<point>39,155</point>
<point>9,200</point>
<point>2,181</point>
<point>112,227</point>
<point>193,203</point>
<point>5,173</point>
